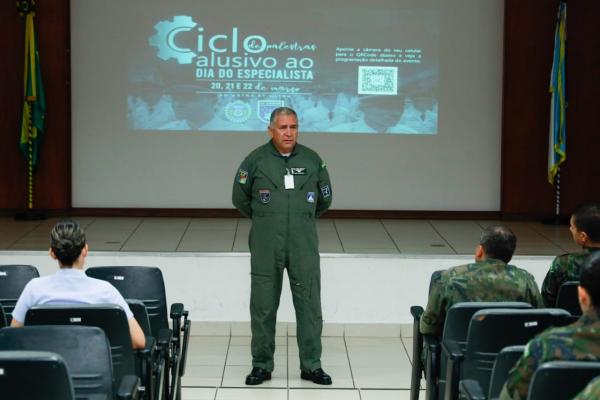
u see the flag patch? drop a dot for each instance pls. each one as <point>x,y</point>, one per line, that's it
<point>242,176</point>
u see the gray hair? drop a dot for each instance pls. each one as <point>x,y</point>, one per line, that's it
<point>499,242</point>
<point>281,111</point>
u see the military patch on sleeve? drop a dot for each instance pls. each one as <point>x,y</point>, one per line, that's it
<point>325,191</point>
<point>242,176</point>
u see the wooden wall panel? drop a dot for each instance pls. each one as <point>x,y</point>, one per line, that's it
<point>528,46</point>
<point>52,178</point>
<point>528,43</point>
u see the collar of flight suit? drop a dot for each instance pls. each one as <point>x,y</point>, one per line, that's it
<point>276,152</point>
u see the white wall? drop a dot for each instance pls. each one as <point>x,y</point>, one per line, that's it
<point>355,288</point>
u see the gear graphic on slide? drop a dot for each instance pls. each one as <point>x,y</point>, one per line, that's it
<point>164,39</point>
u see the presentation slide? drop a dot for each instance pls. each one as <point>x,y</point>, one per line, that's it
<point>345,66</point>
<point>402,99</point>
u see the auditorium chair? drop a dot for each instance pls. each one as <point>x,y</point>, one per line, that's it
<point>146,363</point>
<point>456,326</point>
<point>507,358</point>
<point>147,284</point>
<point>567,298</point>
<point>49,370</point>
<point>3,321</point>
<point>13,279</point>
<point>86,353</point>
<point>489,332</point>
<point>562,380</point>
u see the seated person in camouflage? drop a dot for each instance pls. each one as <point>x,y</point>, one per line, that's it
<point>591,391</point>
<point>576,342</point>
<point>585,229</point>
<point>489,278</point>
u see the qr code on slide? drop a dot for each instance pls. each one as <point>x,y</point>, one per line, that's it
<point>378,80</point>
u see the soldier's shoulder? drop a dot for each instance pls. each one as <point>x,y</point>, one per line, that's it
<point>458,270</point>
<point>520,271</point>
<point>566,260</point>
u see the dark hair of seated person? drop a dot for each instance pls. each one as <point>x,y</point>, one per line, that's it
<point>590,279</point>
<point>67,239</point>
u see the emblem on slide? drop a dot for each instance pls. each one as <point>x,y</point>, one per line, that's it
<point>164,39</point>
<point>310,197</point>
<point>265,195</point>
<point>238,111</point>
<point>264,108</point>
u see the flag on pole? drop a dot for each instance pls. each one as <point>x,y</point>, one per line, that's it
<point>557,149</point>
<point>34,101</point>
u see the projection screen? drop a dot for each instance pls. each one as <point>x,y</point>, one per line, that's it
<point>402,98</point>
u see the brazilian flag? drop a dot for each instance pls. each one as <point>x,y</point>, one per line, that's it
<point>557,149</point>
<point>34,101</point>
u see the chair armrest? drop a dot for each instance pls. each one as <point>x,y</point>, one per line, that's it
<point>471,390</point>
<point>453,350</point>
<point>164,338</point>
<point>416,312</point>
<point>455,357</point>
<point>147,351</point>
<point>432,343</point>
<point>128,388</point>
<point>176,310</point>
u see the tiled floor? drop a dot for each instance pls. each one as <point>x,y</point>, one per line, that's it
<point>335,235</point>
<point>361,368</point>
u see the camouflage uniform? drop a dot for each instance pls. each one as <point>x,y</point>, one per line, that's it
<point>566,267</point>
<point>577,342</point>
<point>591,391</point>
<point>486,280</point>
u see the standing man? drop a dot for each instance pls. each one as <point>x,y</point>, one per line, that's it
<point>283,186</point>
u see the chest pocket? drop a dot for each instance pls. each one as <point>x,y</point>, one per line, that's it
<point>264,181</point>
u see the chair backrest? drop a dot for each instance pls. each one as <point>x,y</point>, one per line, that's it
<point>567,297</point>
<point>435,277</point>
<point>142,283</point>
<point>506,360</point>
<point>13,279</point>
<point>458,318</point>
<point>559,380</point>
<point>85,350</point>
<point>456,325</point>
<point>109,317</point>
<point>491,330</point>
<point>140,313</point>
<point>26,375</point>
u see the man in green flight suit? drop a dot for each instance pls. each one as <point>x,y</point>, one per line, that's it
<point>283,186</point>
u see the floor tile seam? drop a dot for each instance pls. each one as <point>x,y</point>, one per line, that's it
<point>185,231</point>
<point>549,239</point>
<point>349,363</point>
<point>23,235</point>
<point>133,231</point>
<point>235,233</point>
<point>338,235</point>
<point>225,363</point>
<point>442,236</point>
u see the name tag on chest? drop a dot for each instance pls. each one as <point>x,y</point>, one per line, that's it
<point>288,181</point>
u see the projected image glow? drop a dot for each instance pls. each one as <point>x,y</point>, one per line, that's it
<point>206,68</point>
